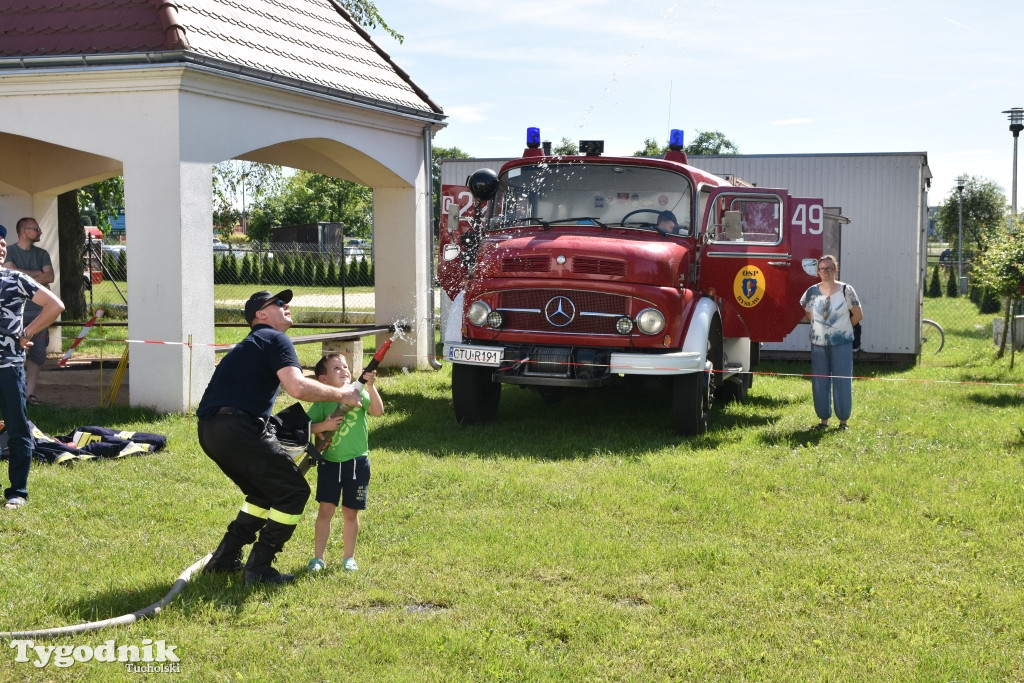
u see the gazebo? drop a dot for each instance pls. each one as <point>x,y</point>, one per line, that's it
<point>159,92</point>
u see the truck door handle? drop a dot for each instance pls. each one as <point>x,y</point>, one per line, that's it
<point>778,263</point>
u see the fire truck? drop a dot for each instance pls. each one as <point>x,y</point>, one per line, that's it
<point>584,271</point>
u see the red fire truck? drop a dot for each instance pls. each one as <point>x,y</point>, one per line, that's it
<point>585,271</point>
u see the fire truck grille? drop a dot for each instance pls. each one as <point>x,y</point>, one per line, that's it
<point>526,264</point>
<point>597,266</point>
<point>562,311</point>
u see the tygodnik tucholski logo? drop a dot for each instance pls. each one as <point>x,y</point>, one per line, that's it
<point>153,656</point>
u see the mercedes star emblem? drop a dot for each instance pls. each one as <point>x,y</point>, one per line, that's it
<point>560,311</point>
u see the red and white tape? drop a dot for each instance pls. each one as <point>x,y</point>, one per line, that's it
<point>81,335</point>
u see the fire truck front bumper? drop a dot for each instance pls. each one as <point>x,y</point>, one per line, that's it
<point>571,366</point>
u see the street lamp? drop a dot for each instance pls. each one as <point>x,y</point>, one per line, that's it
<point>960,183</point>
<point>1016,116</point>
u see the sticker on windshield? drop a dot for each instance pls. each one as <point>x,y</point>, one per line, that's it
<point>749,286</point>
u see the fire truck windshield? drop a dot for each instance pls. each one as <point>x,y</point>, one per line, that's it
<point>584,194</point>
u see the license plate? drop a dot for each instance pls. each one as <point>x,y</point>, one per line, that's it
<point>475,356</point>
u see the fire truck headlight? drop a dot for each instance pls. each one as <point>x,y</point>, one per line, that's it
<point>477,313</point>
<point>624,325</point>
<point>650,321</point>
<point>495,319</point>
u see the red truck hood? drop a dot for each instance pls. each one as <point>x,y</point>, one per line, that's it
<point>626,256</point>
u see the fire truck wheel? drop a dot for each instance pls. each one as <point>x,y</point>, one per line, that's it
<point>474,396</point>
<point>735,388</point>
<point>690,403</point>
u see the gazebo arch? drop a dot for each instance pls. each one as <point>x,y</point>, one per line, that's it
<point>159,92</point>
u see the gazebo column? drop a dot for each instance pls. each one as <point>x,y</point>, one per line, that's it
<point>168,204</point>
<point>400,269</point>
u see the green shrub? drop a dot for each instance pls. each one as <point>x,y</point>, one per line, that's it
<point>990,302</point>
<point>245,273</point>
<point>331,275</point>
<point>952,285</point>
<point>934,289</point>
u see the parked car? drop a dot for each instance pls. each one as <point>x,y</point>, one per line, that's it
<point>114,249</point>
<point>353,254</point>
<point>220,246</point>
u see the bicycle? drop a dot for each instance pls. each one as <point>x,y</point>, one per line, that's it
<point>933,337</point>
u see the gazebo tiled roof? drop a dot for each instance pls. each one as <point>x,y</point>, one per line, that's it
<point>311,45</point>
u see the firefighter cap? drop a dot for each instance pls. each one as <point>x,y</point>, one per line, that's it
<point>261,299</point>
<point>3,232</point>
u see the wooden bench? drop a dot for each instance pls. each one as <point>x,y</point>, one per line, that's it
<point>348,342</point>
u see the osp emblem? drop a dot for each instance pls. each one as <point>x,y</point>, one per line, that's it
<point>749,286</point>
<point>560,311</point>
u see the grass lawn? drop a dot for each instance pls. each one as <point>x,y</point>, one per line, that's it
<point>582,541</point>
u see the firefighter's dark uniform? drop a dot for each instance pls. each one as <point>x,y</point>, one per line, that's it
<point>233,431</point>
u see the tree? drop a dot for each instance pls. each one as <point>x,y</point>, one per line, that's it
<point>1000,269</point>
<point>365,14</point>
<point>566,148</point>
<point>71,240</point>
<point>101,202</point>
<point>984,215</point>
<point>307,197</point>
<point>240,184</point>
<point>705,143</point>
<point>651,149</point>
<point>934,286</point>
<point>953,285</point>
<point>711,142</point>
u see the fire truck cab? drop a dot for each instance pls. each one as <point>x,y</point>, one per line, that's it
<point>585,271</point>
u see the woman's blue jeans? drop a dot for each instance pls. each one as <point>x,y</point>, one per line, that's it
<point>19,440</point>
<point>832,383</point>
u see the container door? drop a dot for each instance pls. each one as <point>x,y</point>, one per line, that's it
<point>759,254</point>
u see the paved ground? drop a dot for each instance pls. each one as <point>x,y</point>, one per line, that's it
<point>79,385</point>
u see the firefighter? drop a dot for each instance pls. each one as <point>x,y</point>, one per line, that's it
<point>237,433</point>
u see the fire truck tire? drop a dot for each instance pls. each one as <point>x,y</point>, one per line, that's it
<point>474,396</point>
<point>690,404</point>
<point>735,388</point>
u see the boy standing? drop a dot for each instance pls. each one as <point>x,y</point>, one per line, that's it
<point>344,476</point>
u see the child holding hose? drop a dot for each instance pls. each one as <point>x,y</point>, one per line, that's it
<point>344,475</point>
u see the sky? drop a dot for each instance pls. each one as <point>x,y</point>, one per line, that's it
<point>786,77</point>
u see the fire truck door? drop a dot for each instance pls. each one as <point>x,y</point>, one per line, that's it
<point>759,254</point>
<point>451,268</point>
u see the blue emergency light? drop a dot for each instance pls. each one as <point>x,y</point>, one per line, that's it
<point>675,140</point>
<point>533,138</point>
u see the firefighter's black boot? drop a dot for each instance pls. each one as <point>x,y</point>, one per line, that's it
<point>258,569</point>
<point>228,555</point>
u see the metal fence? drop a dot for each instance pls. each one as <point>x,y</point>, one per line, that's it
<point>330,284</point>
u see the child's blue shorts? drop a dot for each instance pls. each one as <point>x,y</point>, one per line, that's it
<point>345,482</point>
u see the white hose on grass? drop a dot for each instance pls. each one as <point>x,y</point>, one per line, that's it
<point>122,620</point>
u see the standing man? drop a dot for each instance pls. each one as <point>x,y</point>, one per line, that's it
<point>35,262</point>
<point>236,433</point>
<point>16,289</point>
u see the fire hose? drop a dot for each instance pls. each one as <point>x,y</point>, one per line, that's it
<point>122,620</point>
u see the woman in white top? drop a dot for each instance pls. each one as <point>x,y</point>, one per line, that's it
<point>833,308</point>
